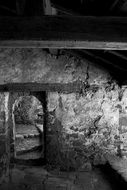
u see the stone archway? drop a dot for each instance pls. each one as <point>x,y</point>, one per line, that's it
<point>21,141</point>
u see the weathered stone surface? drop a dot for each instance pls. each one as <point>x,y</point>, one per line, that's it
<point>3,158</point>
<point>26,109</point>
<point>35,65</point>
<point>23,178</point>
<point>88,124</point>
<point>4,141</point>
<point>25,144</point>
<point>97,75</point>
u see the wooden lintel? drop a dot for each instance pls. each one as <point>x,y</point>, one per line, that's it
<point>40,87</point>
<point>71,32</point>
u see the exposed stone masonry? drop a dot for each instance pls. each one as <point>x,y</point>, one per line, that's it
<point>4,133</point>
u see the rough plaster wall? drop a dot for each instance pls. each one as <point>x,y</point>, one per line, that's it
<point>4,141</point>
<point>86,126</point>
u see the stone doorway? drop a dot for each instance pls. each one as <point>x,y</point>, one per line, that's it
<point>27,133</point>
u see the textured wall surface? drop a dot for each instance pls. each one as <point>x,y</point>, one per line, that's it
<point>83,127</point>
<point>86,126</point>
<point>35,65</point>
<point>4,141</point>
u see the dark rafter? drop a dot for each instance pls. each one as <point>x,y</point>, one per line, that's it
<point>114,4</point>
<point>92,56</point>
<point>118,54</point>
<point>62,11</point>
<point>103,60</point>
<point>8,9</point>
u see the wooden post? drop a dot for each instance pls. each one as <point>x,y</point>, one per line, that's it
<point>49,10</point>
<point>47,7</point>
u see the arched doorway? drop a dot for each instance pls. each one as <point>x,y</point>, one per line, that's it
<point>27,126</point>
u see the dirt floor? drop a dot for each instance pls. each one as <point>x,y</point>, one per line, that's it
<point>37,178</point>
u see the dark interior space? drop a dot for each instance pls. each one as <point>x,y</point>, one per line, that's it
<point>113,177</point>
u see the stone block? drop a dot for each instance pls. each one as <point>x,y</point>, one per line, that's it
<point>123,121</point>
<point>123,129</point>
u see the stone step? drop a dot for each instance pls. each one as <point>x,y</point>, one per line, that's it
<point>22,144</point>
<point>26,136</point>
<point>30,155</point>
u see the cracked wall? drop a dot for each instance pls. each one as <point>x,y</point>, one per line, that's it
<point>84,126</point>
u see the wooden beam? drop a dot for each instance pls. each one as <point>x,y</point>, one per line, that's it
<point>75,87</point>
<point>114,4</point>
<point>8,9</point>
<point>40,87</point>
<point>103,60</point>
<point>64,32</point>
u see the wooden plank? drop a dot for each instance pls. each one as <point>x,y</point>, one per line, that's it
<point>74,87</point>
<point>64,32</point>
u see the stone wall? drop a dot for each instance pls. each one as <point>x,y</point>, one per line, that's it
<point>82,127</point>
<point>4,132</point>
<point>35,65</point>
<point>85,126</point>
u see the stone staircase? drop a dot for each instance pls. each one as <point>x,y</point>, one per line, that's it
<point>28,142</point>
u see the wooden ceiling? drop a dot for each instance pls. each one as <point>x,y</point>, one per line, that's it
<point>92,7</point>
<point>78,7</point>
<point>85,24</point>
<point>89,28</point>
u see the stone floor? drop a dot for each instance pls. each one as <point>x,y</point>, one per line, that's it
<point>38,178</point>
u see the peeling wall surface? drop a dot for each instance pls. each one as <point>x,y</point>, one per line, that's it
<point>82,127</point>
<point>86,126</point>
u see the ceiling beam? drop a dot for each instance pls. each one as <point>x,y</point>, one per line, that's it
<point>39,87</point>
<point>114,4</point>
<point>8,9</point>
<point>64,32</point>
